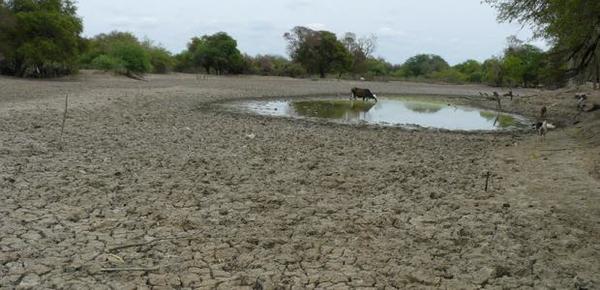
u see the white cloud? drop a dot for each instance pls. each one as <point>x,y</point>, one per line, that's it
<point>134,22</point>
<point>316,26</point>
<point>389,32</point>
<point>404,28</point>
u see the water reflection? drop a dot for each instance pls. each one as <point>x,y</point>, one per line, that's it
<point>424,107</point>
<point>390,111</point>
<point>332,109</point>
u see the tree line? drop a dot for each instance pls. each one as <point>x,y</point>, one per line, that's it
<point>42,38</point>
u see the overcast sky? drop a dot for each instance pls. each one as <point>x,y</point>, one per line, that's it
<point>455,29</point>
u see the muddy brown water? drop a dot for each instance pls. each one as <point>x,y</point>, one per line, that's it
<point>404,111</point>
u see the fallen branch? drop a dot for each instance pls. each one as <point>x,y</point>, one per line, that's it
<point>487,180</point>
<point>563,149</point>
<point>62,129</point>
<point>137,77</point>
<point>131,269</point>
<point>133,245</point>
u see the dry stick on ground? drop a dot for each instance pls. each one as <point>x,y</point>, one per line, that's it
<point>487,180</point>
<point>131,269</point>
<point>187,237</point>
<point>62,129</point>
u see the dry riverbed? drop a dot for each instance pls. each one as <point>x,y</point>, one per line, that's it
<point>156,188</point>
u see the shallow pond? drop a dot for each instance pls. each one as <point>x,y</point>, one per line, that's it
<point>389,111</point>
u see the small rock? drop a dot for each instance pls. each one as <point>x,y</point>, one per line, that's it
<point>94,269</point>
<point>173,281</point>
<point>75,214</point>
<point>190,280</point>
<point>157,280</point>
<point>506,205</point>
<point>251,136</point>
<point>29,282</point>
<point>483,276</point>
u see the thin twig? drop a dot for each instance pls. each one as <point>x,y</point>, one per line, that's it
<point>62,129</point>
<point>190,237</point>
<point>131,269</point>
<point>487,180</point>
<point>563,149</point>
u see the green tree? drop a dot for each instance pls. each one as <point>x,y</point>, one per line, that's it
<point>272,65</point>
<point>318,51</point>
<point>134,58</point>
<point>513,69</point>
<point>7,23</point>
<point>522,62</point>
<point>424,65</point>
<point>183,62</point>
<point>572,26</point>
<point>161,59</point>
<point>377,67</point>
<point>102,44</point>
<point>493,72</point>
<point>40,38</point>
<point>120,52</point>
<point>294,70</point>
<point>217,52</point>
<point>108,63</point>
<point>361,50</point>
<point>450,76</point>
<point>471,69</point>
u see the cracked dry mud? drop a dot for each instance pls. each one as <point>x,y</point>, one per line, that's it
<point>157,189</point>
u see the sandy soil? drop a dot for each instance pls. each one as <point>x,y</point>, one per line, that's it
<point>157,189</point>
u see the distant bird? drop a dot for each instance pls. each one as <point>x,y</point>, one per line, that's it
<point>509,94</point>
<point>542,128</point>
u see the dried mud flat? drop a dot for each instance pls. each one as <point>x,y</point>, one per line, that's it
<point>157,189</point>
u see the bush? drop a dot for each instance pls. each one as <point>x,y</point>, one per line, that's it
<point>424,64</point>
<point>161,60</point>
<point>122,52</point>
<point>294,70</point>
<point>134,58</point>
<point>450,76</point>
<point>108,63</point>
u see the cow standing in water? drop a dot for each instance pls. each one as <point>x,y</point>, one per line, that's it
<point>365,94</point>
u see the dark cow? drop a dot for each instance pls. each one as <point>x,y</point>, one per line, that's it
<point>365,94</point>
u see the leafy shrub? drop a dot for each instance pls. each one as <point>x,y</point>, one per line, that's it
<point>294,70</point>
<point>450,76</point>
<point>108,63</point>
<point>134,58</point>
<point>161,60</point>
